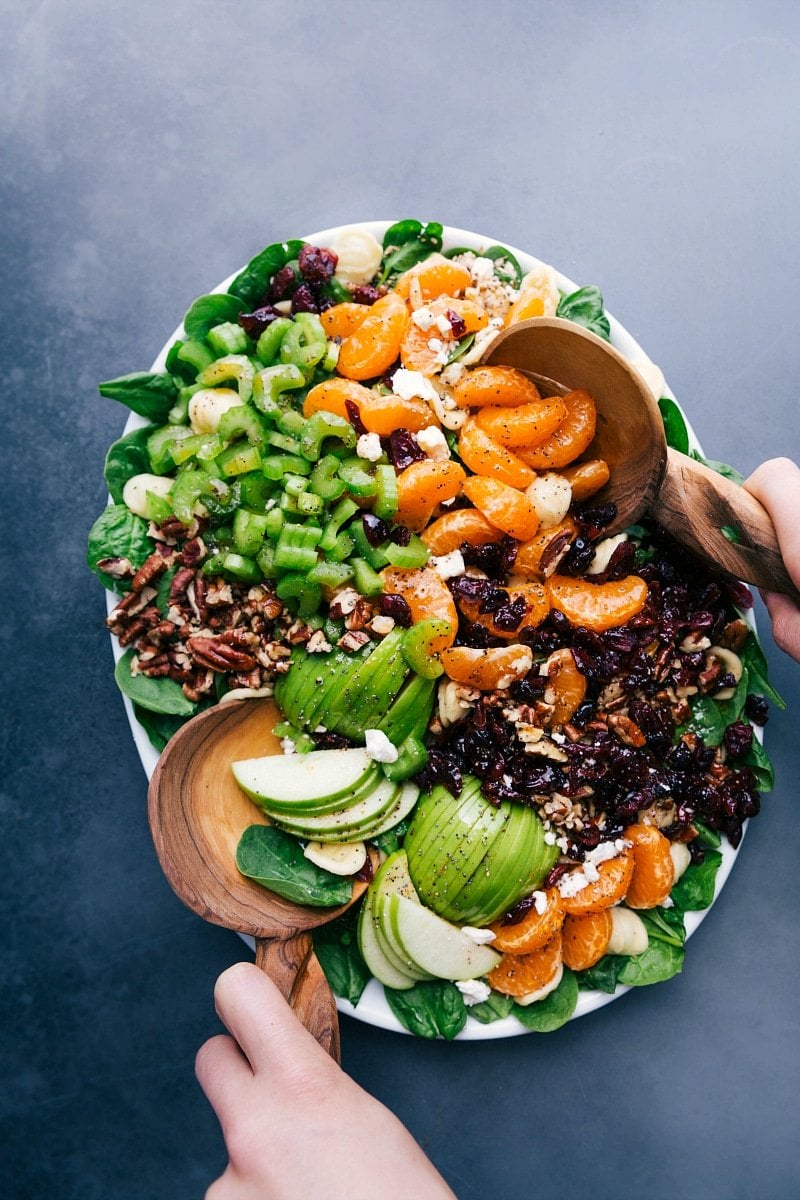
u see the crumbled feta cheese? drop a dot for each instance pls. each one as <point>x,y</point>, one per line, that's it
<point>382,625</point>
<point>379,748</point>
<point>433,442</point>
<point>668,903</point>
<point>572,883</point>
<point>481,937</point>
<point>482,268</point>
<point>288,746</point>
<point>557,737</point>
<point>451,375</point>
<point>412,385</point>
<point>540,898</point>
<point>369,446</point>
<point>435,344</point>
<point>550,838</point>
<point>424,319</point>
<point>591,872</point>
<point>474,991</point>
<point>449,565</point>
<point>444,326</point>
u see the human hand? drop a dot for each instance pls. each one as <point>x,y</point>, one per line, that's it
<point>776,484</point>
<point>294,1124</point>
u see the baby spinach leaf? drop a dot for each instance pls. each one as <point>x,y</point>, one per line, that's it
<point>431,1009</point>
<point>665,925</point>
<point>555,1010</point>
<point>760,764</point>
<point>731,710</point>
<point>695,888</point>
<point>661,960</point>
<point>276,861</point>
<point>157,695</point>
<point>251,284</point>
<point>151,396</point>
<point>754,660</point>
<point>117,533</point>
<point>501,257</point>
<point>392,840</point>
<point>208,311</point>
<point>604,975</point>
<point>585,307</point>
<point>675,430</point>
<point>159,727</point>
<point>707,721</point>
<point>406,243</point>
<point>720,467</point>
<point>336,947</point>
<point>127,457</point>
<point>493,1009</point>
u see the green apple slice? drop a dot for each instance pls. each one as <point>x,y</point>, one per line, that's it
<point>385,971</point>
<point>370,691</point>
<point>435,812</point>
<point>347,824</point>
<point>436,946</point>
<point>299,778</point>
<point>453,847</point>
<point>392,879</point>
<point>328,804</point>
<point>409,793</point>
<point>500,877</point>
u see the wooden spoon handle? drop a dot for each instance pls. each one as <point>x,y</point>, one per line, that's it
<point>293,966</point>
<point>695,504</point>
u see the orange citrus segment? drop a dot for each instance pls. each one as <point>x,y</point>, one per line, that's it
<point>343,319</point>
<point>495,386</point>
<point>566,684</point>
<point>526,306</point>
<point>585,939</point>
<point>437,276</point>
<point>452,529</point>
<point>380,414</point>
<point>569,440</point>
<point>427,595</point>
<point>426,350</point>
<point>423,486</point>
<point>503,506</point>
<point>537,608</point>
<point>525,424</point>
<point>533,930</point>
<point>587,477</point>
<point>497,667</point>
<point>530,555</point>
<point>653,869</point>
<point>520,974</point>
<point>597,606</point>
<point>372,348</point>
<point>485,456</point>
<point>614,876</point>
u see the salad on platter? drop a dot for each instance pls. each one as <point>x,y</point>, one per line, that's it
<point>535,740</point>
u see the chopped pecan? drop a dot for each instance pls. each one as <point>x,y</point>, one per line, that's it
<point>150,570</point>
<point>343,603</point>
<point>626,730</point>
<point>353,640</point>
<point>117,568</point>
<point>734,635</point>
<point>199,685</point>
<point>180,581</point>
<point>553,553</point>
<point>360,616</point>
<point>193,552</point>
<point>217,655</point>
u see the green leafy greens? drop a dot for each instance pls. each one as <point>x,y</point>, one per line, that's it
<point>275,860</point>
<point>432,1009</point>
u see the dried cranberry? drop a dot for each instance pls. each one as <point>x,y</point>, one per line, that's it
<point>390,604</point>
<point>457,323</point>
<point>404,449</point>
<point>400,535</point>
<point>738,739</point>
<point>580,554</point>
<point>592,521</point>
<point>304,300</point>
<point>509,617</point>
<point>757,709</point>
<point>365,293</point>
<point>317,264</point>
<point>254,323</point>
<point>375,530</point>
<point>354,417</point>
<point>739,593</point>
<point>284,283</point>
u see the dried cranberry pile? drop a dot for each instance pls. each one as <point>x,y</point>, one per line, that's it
<point>618,755</point>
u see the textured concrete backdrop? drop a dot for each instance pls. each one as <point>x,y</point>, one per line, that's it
<point>149,149</point>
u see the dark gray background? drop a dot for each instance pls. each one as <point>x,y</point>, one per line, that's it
<point>150,149</point>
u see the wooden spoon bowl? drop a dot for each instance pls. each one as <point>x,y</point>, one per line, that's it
<point>700,508</point>
<point>197,814</point>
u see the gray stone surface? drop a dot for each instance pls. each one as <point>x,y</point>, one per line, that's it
<point>148,150</point>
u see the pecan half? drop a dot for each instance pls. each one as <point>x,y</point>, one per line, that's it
<point>217,655</point>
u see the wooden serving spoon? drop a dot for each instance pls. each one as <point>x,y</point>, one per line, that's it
<point>197,814</point>
<point>688,499</point>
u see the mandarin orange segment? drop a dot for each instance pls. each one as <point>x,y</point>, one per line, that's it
<point>614,877</point>
<point>531,556</point>
<point>382,414</point>
<point>372,348</point>
<point>571,437</point>
<point>527,305</point>
<point>485,456</point>
<point>428,597</point>
<point>587,477</point>
<point>497,667</point>
<point>597,606</point>
<point>423,486</point>
<point>343,319</point>
<point>452,529</point>
<point>533,930</point>
<point>331,396</point>
<point>426,350</point>
<point>495,386</point>
<point>437,277</point>
<point>503,506</point>
<point>566,686</point>
<point>537,606</point>
<point>585,939</point>
<point>525,424</point>
<point>653,869</point>
<point>521,974</point>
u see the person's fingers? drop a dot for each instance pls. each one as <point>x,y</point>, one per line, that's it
<point>776,484</point>
<point>255,1012</point>
<point>224,1074</point>
<point>785,618</point>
